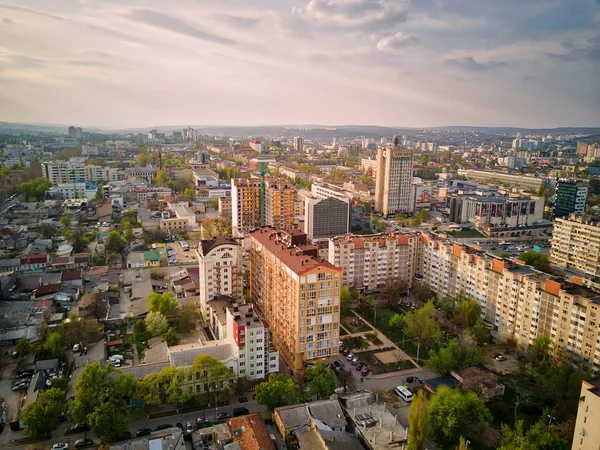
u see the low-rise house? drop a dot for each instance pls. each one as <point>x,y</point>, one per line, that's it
<point>250,432</point>
<point>136,260</point>
<point>47,290</point>
<point>34,262</point>
<point>72,277</point>
<point>151,258</point>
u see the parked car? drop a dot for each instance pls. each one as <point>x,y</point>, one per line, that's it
<point>354,361</point>
<point>500,358</point>
<point>337,365</point>
<point>202,421</point>
<point>78,428</point>
<point>83,443</point>
<point>60,446</point>
<point>223,415</point>
<point>76,347</point>
<point>240,412</point>
<point>189,429</point>
<point>164,426</point>
<point>359,366</point>
<point>346,351</point>
<point>143,432</point>
<point>365,371</point>
<point>350,356</point>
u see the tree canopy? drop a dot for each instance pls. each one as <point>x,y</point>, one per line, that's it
<point>156,323</point>
<point>539,437</point>
<point>537,260</point>
<point>454,356</point>
<point>34,190</point>
<point>280,390</point>
<point>453,413</point>
<point>417,421</point>
<point>322,379</point>
<point>41,416</point>
<point>163,303</point>
<point>422,325</point>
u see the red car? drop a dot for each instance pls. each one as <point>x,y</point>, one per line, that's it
<point>365,371</point>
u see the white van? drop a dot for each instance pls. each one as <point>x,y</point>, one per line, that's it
<point>403,393</point>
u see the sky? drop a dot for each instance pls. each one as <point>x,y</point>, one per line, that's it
<point>421,63</point>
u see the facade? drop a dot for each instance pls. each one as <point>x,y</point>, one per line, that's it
<point>325,218</point>
<point>370,262</point>
<point>77,189</point>
<point>225,207</point>
<point>587,432</point>
<point>144,173</point>
<point>571,195</point>
<point>245,205</point>
<point>522,181</point>
<point>394,180</point>
<point>174,225</point>
<point>279,203</point>
<point>63,172</point>
<point>298,144</point>
<point>297,293</point>
<point>249,334</point>
<point>220,263</point>
<point>496,211</point>
<point>576,244</point>
<point>517,302</point>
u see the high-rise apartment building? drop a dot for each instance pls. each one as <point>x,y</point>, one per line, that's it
<point>576,244</point>
<point>248,204</point>
<point>370,262</point>
<point>297,293</point>
<point>394,179</point>
<point>249,334</point>
<point>517,302</point>
<point>587,431</point>
<point>298,144</point>
<point>571,195</point>
<point>220,264</point>
<point>66,172</point>
<point>280,196</point>
<point>325,218</point>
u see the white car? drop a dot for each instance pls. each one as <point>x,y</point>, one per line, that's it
<point>76,347</point>
<point>189,429</point>
<point>60,446</point>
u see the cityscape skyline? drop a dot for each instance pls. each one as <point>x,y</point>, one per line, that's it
<point>416,65</point>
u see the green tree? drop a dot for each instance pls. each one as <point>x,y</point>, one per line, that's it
<point>65,221</point>
<point>128,232</point>
<point>536,260</point>
<point>378,225</point>
<point>47,230</point>
<point>322,379</point>
<point>280,390</point>
<point>480,333</point>
<point>539,437</point>
<point>189,194</point>
<point>347,298</point>
<point>163,303</point>
<point>109,422</point>
<point>156,323</point>
<point>469,311</point>
<point>417,421</point>
<point>453,413</point>
<point>213,376</point>
<point>454,356</point>
<point>462,444</point>
<point>53,347</point>
<point>147,391</point>
<point>34,190</point>
<point>41,416</point>
<point>421,325</point>
<point>539,350</point>
<point>396,321</point>
<point>188,317</point>
<point>23,347</point>
<point>143,159</point>
<point>115,243</point>
<point>161,178</point>
<point>504,255</point>
<point>171,337</point>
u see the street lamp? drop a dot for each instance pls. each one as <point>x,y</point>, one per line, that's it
<point>550,419</point>
<point>467,442</point>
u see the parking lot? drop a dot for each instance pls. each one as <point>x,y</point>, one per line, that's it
<point>177,256</point>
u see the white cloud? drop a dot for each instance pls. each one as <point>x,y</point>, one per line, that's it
<point>396,41</point>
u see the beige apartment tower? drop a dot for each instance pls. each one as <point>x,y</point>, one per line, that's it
<point>297,293</point>
<point>576,244</point>
<point>587,430</point>
<point>394,179</point>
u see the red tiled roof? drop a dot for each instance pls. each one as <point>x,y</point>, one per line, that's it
<point>60,260</point>
<point>47,289</point>
<point>34,259</point>
<point>81,257</point>
<point>45,303</point>
<point>71,275</point>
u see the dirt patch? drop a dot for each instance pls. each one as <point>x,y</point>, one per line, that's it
<point>390,357</point>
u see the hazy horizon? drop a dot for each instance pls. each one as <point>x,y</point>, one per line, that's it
<point>392,63</point>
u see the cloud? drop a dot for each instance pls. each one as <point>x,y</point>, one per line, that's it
<point>468,63</point>
<point>588,51</point>
<point>367,15</point>
<point>26,62</point>
<point>237,21</point>
<point>396,41</point>
<point>8,20</point>
<point>173,24</point>
<point>32,11</point>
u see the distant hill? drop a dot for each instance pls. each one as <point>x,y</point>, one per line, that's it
<point>307,131</point>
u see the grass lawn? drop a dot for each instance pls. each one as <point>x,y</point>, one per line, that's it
<point>384,314</point>
<point>355,342</point>
<point>465,233</point>
<point>343,331</point>
<point>373,338</point>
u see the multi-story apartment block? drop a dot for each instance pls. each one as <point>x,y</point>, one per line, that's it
<point>576,244</point>
<point>325,218</point>
<point>77,189</point>
<point>279,203</point>
<point>587,431</point>
<point>144,173</point>
<point>370,262</point>
<point>571,195</point>
<point>245,205</point>
<point>249,334</point>
<point>220,262</point>
<point>297,293</point>
<point>522,181</point>
<point>67,172</point>
<point>517,302</point>
<point>225,207</point>
<point>394,181</point>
